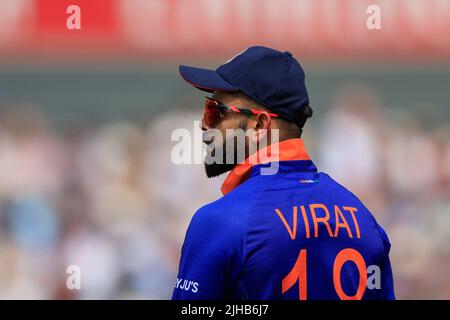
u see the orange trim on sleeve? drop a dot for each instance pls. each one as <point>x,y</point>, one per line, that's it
<point>292,149</point>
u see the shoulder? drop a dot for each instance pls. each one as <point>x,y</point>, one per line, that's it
<point>341,193</point>
<point>349,197</point>
<point>228,215</point>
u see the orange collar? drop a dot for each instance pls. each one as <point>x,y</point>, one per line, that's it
<point>292,149</point>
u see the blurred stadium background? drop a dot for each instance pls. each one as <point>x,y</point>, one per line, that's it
<point>86,117</point>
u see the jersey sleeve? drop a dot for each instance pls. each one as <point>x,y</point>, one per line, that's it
<point>387,280</point>
<point>211,256</point>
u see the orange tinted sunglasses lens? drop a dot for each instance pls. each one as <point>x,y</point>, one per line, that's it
<point>211,112</point>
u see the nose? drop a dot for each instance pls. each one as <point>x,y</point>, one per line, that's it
<point>203,125</point>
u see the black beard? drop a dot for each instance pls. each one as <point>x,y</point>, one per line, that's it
<point>216,169</point>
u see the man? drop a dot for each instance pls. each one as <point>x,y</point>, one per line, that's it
<point>286,233</point>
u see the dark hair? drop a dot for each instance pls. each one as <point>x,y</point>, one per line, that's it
<point>295,129</point>
<point>305,113</point>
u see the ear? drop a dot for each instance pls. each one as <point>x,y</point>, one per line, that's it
<point>263,122</point>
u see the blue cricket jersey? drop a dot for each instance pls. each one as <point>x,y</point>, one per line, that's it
<point>296,234</point>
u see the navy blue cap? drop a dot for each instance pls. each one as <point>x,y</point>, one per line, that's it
<point>273,78</point>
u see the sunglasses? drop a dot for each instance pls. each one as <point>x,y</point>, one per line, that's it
<point>214,111</point>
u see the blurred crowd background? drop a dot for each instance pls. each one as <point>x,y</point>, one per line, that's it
<point>86,176</point>
<point>108,198</point>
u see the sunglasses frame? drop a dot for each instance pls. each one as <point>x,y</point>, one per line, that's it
<point>222,106</point>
